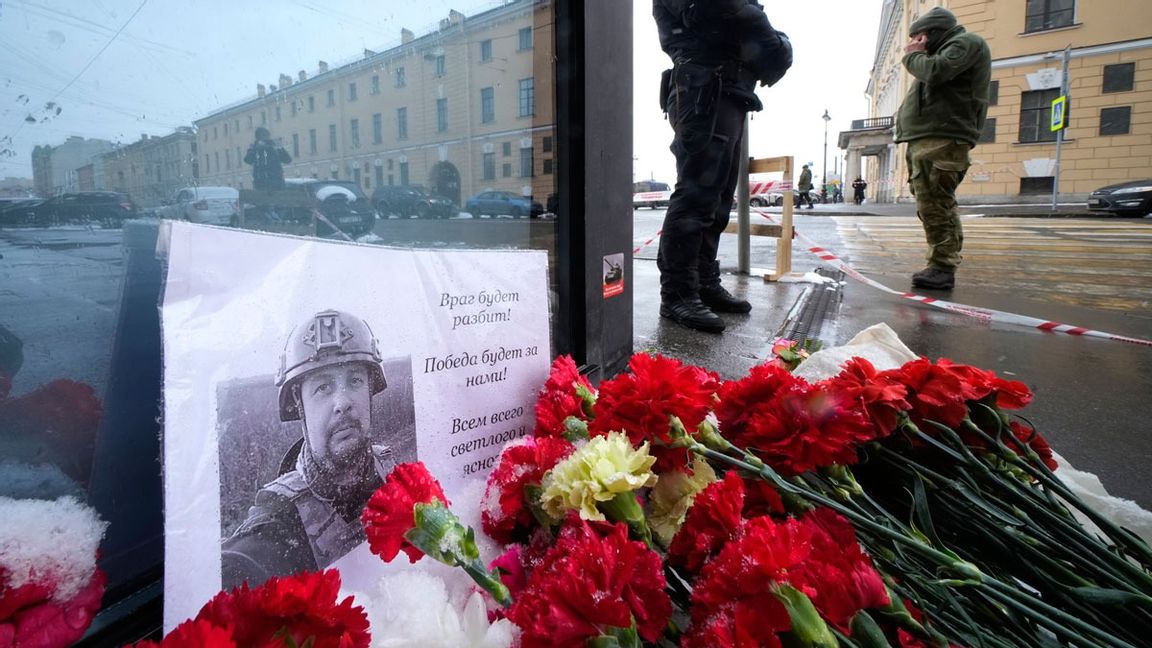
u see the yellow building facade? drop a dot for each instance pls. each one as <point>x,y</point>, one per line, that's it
<point>1108,46</point>
<point>465,108</point>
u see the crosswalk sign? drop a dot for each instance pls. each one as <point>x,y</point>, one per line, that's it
<point>1059,113</point>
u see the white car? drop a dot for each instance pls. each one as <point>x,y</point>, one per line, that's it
<point>209,205</point>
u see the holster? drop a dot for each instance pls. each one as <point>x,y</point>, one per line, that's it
<point>665,88</point>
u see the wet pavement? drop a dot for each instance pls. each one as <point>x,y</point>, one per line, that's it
<point>1093,397</point>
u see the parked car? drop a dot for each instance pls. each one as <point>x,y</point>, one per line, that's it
<point>106,208</point>
<point>1126,198</point>
<point>411,200</point>
<point>341,203</point>
<point>496,203</point>
<point>211,205</point>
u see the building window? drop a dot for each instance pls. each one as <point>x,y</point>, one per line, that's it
<point>354,128</point>
<point>263,117</point>
<point>1116,120</point>
<point>507,170</point>
<point>547,166</point>
<point>375,85</point>
<point>227,156</point>
<point>988,135</point>
<point>215,133</point>
<point>441,66</point>
<point>294,106</point>
<point>215,162</point>
<point>403,173</point>
<point>312,141</point>
<point>507,149</point>
<point>277,113</point>
<point>1037,185</point>
<point>295,145</point>
<point>352,91</point>
<point>331,98</point>
<point>1036,115</point>
<point>524,39</point>
<point>249,124</point>
<point>546,144</point>
<point>1048,14</point>
<point>207,168</point>
<point>526,97</point>
<point>236,125</point>
<point>489,166</point>
<point>377,129</point>
<point>487,105</point>
<point>526,163</point>
<point>331,137</point>
<point>402,124</point>
<point>311,103</point>
<point>441,115</point>
<point>379,176</point>
<point>486,51</point>
<point>400,83</point>
<point>1119,77</point>
<point>225,129</point>
<point>993,93</point>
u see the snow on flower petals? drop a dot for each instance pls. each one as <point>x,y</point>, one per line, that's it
<point>596,472</point>
<point>587,583</point>
<point>641,400</point>
<point>506,514</point>
<point>389,512</point>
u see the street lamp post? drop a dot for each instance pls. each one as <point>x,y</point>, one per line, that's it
<point>827,118</point>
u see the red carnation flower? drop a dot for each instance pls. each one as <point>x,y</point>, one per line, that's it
<point>935,393</point>
<point>838,576</point>
<point>29,616</point>
<point>761,498</point>
<point>505,515</point>
<point>302,607</point>
<point>874,393</point>
<point>792,425</point>
<point>1031,438</point>
<point>713,520</point>
<point>588,583</point>
<point>558,398</point>
<point>733,596</point>
<point>389,513</point>
<point>195,633</point>
<point>641,401</point>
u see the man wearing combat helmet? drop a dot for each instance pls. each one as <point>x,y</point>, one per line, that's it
<point>309,516</point>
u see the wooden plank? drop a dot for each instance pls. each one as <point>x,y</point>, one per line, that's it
<point>756,229</point>
<point>767,165</point>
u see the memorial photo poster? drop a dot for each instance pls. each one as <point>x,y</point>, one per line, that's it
<point>297,372</point>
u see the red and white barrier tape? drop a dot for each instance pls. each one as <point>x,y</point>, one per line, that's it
<point>645,244</point>
<point>985,314</point>
<point>317,214</point>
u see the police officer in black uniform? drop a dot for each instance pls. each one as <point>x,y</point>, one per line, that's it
<point>309,516</point>
<point>267,159</point>
<point>720,49</point>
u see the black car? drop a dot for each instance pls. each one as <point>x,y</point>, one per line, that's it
<point>338,205</point>
<point>1126,198</point>
<point>411,200</point>
<point>106,208</point>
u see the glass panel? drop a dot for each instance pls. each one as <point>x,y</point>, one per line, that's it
<point>115,98</point>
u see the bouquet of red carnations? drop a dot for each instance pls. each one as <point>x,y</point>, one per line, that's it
<point>903,507</point>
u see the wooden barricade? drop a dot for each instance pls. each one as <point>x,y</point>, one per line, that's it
<point>783,232</point>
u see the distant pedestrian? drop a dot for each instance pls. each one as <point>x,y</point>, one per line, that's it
<point>941,119</point>
<point>267,159</point>
<point>805,187</point>
<point>858,187</point>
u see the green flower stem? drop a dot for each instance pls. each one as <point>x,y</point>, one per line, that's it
<point>624,508</point>
<point>1052,618</point>
<point>489,581</point>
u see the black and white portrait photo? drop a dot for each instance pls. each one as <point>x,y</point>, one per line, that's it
<point>302,450</point>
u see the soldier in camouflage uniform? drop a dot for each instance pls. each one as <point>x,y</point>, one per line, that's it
<point>309,516</point>
<point>941,119</point>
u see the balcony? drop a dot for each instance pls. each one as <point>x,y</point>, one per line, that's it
<point>872,123</point>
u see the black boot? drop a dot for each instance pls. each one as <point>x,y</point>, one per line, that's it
<point>693,314</point>
<point>720,300</point>
<point>934,278</point>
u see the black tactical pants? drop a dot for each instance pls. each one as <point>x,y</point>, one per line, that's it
<point>708,126</point>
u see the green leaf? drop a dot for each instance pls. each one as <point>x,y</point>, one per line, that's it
<point>807,626</point>
<point>616,638</point>
<point>1107,596</point>
<point>867,633</point>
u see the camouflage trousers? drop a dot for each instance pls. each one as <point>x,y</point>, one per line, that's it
<point>936,166</point>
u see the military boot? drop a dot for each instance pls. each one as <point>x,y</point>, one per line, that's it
<point>934,278</point>
<point>720,300</point>
<point>692,313</point>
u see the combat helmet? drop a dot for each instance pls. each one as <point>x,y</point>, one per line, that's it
<point>327,338</point>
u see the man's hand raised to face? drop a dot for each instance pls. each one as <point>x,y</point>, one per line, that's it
<point>918,43</point>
